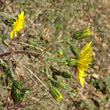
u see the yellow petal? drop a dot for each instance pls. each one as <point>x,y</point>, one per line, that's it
<point>82,81</point>
<point>11,34</point>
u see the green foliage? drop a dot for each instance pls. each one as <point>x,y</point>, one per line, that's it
<point>93,107</point>
<point>75,50</point>
<point>17,84</point>
<point>6,77</point>
<point>58,84</point>
<point>66,74</point>
<point>23,93</point>
<point>107,82</point>
<point>28,109</point>
<point>3,36</point>
<point>33,42</point>
<point>97,84</point>
<point>55,71</point>
<point>55,81</point>
<point>17,92</point>
<point>105,100</point>
<point>83,103</point>
<point>71,62</point>
<point>9,22</point>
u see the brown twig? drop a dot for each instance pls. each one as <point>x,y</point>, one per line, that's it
<point>38,55</point>
<point>21,52</point>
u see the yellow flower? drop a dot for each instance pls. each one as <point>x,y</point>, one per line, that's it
<point>53,9</point>
<point>18,24</point>
<point>74,90</point>
<point>83,62</point>
<point>61,53</point>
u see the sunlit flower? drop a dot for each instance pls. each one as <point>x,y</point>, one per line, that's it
<point>61,53</point>
<point>18,24</point>
<point>74,90</point>
<point>83,62</point>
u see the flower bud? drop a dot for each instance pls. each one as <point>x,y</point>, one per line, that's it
<point>60,52</point>
<point>54,76</point>
<point>17,84</point>
<point>81,34</point>
<point>57,84</point>
<point>15,94</point>
<point>56,93</point>
<point>55,71</point>
<point>71,62</point>
<point>66,74</point>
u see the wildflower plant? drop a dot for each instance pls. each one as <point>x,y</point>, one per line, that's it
<point>56,78</point>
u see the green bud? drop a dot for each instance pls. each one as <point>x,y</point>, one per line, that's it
<point>75,50</point>
<point>71,62</point>
<point>23,92</point>
<point>55,71</point>
<point>57,84</point>
<point>15,94</point>
<point>17,84</point>
<point>56,93</point>
<point>81,34</point>
<point>66,74</point>
<point>54,76</point>
<point>15,91</point>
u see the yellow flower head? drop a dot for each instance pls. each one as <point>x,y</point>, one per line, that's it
<point>18,24</point>
<point>61,53</point>
<point>74,90</point>
<point>83,62</point>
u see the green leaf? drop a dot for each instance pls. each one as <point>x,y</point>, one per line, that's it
<point>23,93</point>
<point>107,82</point>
